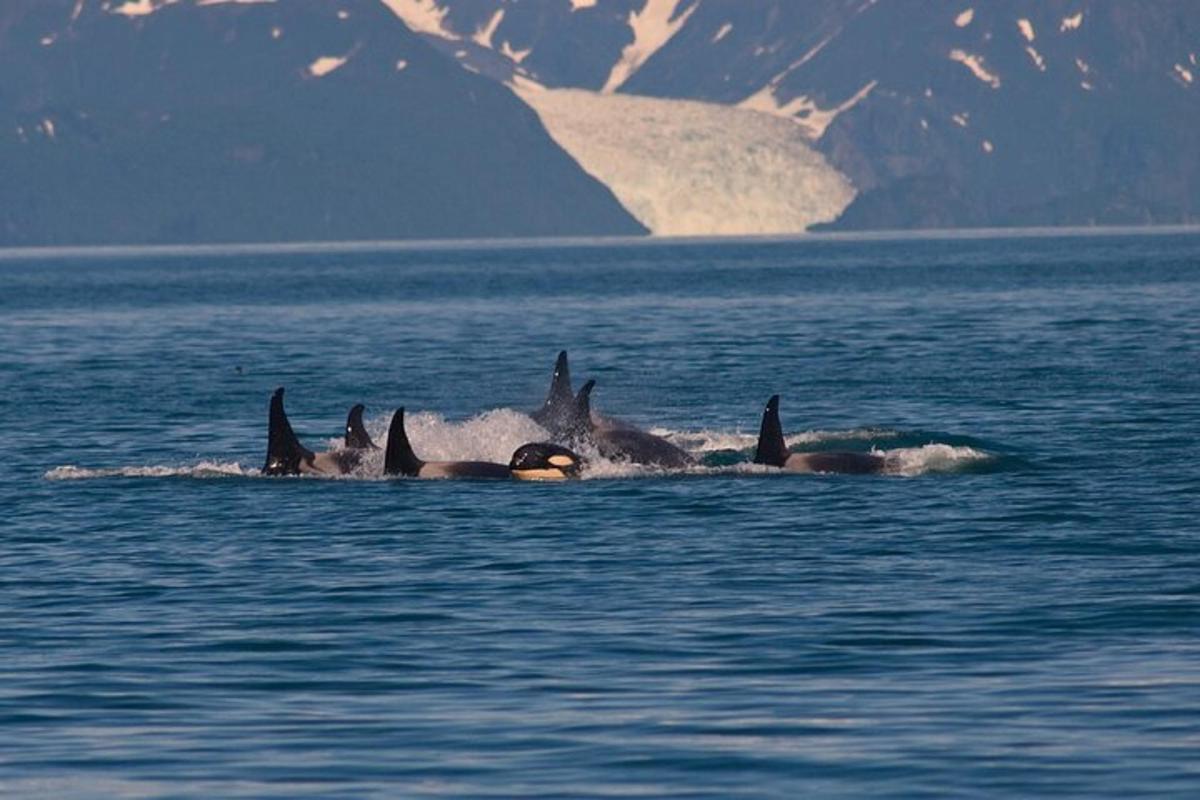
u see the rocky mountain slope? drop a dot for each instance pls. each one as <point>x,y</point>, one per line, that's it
<point>249,121</point>
<point>941,114</point>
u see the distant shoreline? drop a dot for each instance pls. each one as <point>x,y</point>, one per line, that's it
<point>409,245</point>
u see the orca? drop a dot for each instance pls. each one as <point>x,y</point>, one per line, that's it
<point>534,461</point>
<point>773,451</point>
<point>286,456</point>
<point>555,413</point>
<point>357,437</point>
<point>620,442</point>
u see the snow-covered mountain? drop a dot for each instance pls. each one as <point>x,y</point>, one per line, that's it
<point>975,112</point>
<point>202,121</point>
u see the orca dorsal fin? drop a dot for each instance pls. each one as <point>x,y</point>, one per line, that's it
<point>560,399</point>
<point>580,423</point>
<point>560,384</point>
<point>357,437</point>
<point>284,451</point>
<point>771,449</point>
<point>399,458</point>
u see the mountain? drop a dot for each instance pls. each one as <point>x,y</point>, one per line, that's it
<point>971,113</point>
<point>156,122</point>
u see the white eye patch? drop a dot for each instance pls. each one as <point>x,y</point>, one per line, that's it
<point>561,461</point>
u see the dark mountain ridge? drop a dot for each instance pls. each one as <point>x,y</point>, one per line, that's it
<point>291,121</point>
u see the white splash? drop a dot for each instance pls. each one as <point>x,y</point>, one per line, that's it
<point>722,32</point>
<point>653,27</point>
<point>931,458</point>
<point>1071,23</point>
<point>205,469</point>
<point>1184,74</point>
<point>685,168</point>
<point>578,5</point>
<point>1026,28</point>
<point>987,146</point>
<point>964,18</point>
<point>976,65</point>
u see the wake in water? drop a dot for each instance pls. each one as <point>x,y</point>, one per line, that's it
<point>562,439</point>
<point>493,435</point>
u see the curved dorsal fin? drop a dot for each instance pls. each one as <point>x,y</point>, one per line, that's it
<point>399,458</point>
<point>284,451</point>
<point>560,397</point>
<point>357,437</point>
<point>772,449</point>
<point>581,414</point>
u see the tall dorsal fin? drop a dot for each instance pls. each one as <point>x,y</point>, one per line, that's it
<point>580,423</point>
<point>357,437</point>
<point>284,451</point>
<point>560,397</point>
<point>772,449</point>
<point>399,458</point>
<point>560,384</point>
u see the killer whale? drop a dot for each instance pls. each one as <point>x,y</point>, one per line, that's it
<point>287,456</point>
<point>533,461</point>
<point>555,413</point>
<point>357,437</point>
<point>621,442</point>
<point>773,451</point>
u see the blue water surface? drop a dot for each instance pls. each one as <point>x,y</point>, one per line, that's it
<point>1021,622</point>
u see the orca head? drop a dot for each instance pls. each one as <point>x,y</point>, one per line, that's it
<point>544,461</point>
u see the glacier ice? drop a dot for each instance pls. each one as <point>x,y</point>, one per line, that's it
<point>685,168</point>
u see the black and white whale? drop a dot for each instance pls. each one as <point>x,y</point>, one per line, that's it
<point>287,456</point>
<point>619,442</point>
<point>773,451</point>
<point>534,461</point>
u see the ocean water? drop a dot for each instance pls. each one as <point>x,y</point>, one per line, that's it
<point>1014,611</point>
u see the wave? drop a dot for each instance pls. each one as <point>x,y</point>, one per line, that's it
<point>494,435</point>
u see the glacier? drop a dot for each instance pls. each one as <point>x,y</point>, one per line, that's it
<point>687,168</point>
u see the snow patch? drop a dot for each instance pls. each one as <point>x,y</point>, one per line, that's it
<point>802,110</point>
<point>964,18</point>
<point>1026,28</point>
<point>1036,57</point>
<point>325,65</point>
<point>975,64</point>
<point>483,36</point>
<point>652,28</point>
<point>723,32</point>
<point>422,16</point>
<point>515,56</point>
<point>685,168</point>
<point>1183,73</point>
<point>131,8</point>
<point>1071,23</point>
